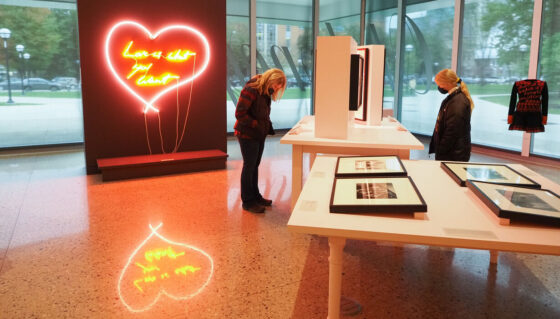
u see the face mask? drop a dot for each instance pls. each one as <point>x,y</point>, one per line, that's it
<point>442,90</point>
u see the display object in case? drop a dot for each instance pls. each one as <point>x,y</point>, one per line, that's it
<point>356,82</point>
<point>363,166</point>
<point>361,112</point>
<point>519,203</point>
<point>494,173</point>
<point>376,195</point>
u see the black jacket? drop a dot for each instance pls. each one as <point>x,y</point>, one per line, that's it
<point>253,114</point>
<point>451,140</point>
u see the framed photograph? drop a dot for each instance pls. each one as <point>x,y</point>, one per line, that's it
<point>493,173</point>
<point>361,113</point>
<point>376,195</point>
<point>363,166</point>
<point>519,203</point>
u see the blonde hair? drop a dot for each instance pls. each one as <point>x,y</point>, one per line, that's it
<point>448,79</point>
<point>264,81</point>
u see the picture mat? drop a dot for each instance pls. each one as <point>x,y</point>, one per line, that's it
<point>508,175</point>
<point>347,165</point>
<point>495,193</point>
<point>345,192</point>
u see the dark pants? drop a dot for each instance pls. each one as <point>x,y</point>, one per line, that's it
<point>252,151</point>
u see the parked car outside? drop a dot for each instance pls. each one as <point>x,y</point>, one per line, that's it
<point>67,82</point>
<point>15,84</point>
<point>33,84</point>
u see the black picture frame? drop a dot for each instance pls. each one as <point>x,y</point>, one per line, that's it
<point>342,169</point>
<point>356,82</point>
<point>498,168</point>
<point>533,207</point>
<point>407,197</point>
<point>361,112</point>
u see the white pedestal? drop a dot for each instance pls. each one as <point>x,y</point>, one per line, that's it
<point>332,88</point>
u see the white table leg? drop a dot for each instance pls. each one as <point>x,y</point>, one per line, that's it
<point>297,164</point>
<point>403,154</point>
<point>312,157</point>
<point>336,245</point>
<point>494,256</point>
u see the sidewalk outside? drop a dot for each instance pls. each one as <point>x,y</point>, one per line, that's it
<point>59,120</point>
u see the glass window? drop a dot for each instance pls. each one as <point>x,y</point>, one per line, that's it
<point>548,143</point>
<point>340,18</point>
<point>381,28</point>
<point>238,55</point>
<point>427,50</point>
<point>285,41</point>
<point>41,104</point>
<point>495,53</point>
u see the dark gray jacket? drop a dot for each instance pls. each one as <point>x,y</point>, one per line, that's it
<point>451,140</point>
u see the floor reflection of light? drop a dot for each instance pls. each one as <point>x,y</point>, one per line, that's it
<point>273,180</point>
<point>152,255</point>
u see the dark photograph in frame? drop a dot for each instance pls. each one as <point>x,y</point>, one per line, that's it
<point>460,172</point>
<point>364,166</point>
<point>519,203</point>
<point>361,113</point>
<point>391,194</point>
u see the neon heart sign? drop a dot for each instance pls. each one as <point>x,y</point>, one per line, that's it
<point>161,267</point>
<point>149,65</point>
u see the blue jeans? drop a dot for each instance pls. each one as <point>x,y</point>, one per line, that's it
<point>252,151</point>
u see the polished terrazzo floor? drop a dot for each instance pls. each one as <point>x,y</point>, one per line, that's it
<point>66,238</point>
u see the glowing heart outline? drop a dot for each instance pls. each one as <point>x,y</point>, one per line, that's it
<point>163,291</point>
<point>149,104</point>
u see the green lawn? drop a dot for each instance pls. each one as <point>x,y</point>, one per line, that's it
<point>477,89</point>
<point>296,93</point>
<point>553,108</point>
<point>46,94</point>
<point>289,94</point>
<point>15,103</point>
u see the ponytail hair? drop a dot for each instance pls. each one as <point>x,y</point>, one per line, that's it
<point>448,79</point>
<point>465,91</point>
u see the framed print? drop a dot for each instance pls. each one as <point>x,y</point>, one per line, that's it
<point>363,166</point>
<point>361,113</point>
<point>519,203</point>
<point>376,195</point>
<point>493,173</point>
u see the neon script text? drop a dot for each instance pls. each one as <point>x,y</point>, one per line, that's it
<point>146,79</point>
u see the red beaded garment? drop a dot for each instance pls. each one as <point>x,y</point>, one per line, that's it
<point>530,113</point>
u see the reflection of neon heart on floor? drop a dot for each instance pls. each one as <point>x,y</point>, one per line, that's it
<point>150,65</point>
<point>163,267</point>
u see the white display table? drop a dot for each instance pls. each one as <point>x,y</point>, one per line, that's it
<point>455,218</point>
<point>391,138</point>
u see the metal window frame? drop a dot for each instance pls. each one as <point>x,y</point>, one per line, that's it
<point>527,146</point>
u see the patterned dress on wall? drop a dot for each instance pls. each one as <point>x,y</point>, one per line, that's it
<point>529,114</point>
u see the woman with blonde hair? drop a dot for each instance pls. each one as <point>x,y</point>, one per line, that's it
<point>251,128</point>
<point>451,140</point>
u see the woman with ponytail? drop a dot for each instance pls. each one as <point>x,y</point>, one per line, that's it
<point>451,140</point>
<point>251,128</point>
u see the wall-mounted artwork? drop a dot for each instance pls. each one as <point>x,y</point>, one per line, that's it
<point>153,76</point>
<point>149,65</point>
